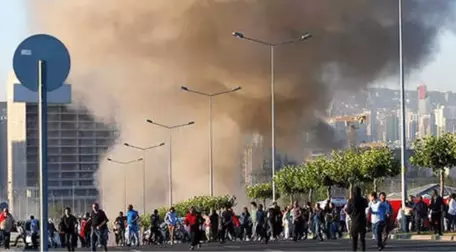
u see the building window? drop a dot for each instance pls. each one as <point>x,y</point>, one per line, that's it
<point>103,134</point>
<point>69,183</point>
<point>69,125</point>
<point>85,117</point>
<point>53,175</point>
<point>87,167</point>
<point>86,158</point>
<point>86,134</point>
<point>53,142</point>
<point>69,175</point>
<point>69,150</point>
<point>54,159</point>
<point>54,183</point>
<point>86,142</point>
<point>69,142</point>
<point>86,174</point>
<point>86,183</point>
<point>69,167</point>
<point>68,117</point>
<point>54,134</point>
<point>86,125</point>
<point>69,134</point>
<point>67,158</point>
<point>86,150</point>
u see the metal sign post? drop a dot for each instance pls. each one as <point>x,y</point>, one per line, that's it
<point>42,63</point>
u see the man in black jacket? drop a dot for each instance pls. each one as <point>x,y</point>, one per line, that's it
<point>436,208</point>
<point>420,211</point>
<point>214,219</point>
<point>68,226</point>
<point>155,233</point>
<point>99,223</point>
<point>356,208</point>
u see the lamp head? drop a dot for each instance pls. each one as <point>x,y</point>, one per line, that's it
<point>184,88</point>
<point>190,123</point>
<point>162,144</point>
<point>306,36</point>
<point>149,121</point>
<point>236,89</point>
<point>126,144</point>
<point>238,35</point>
<point>109,159</point>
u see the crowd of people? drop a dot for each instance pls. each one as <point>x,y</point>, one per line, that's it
<point>318,221</point>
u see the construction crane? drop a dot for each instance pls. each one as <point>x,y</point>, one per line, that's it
<point>350,122</point>
<point>373,145</point>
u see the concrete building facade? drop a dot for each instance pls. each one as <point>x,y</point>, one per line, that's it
<point>75,143</point>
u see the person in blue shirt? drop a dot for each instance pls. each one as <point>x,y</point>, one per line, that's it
<point>34,230</point>
<point>133,227</point>
<point>378,211</point>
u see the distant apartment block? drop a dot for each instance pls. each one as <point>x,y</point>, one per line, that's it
<point>75,143</point>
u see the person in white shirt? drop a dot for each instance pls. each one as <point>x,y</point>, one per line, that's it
<point>452,212</point>
<point>347,219</point>
<point>377,210</point>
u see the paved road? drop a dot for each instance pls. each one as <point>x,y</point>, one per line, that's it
<point>333,245</point>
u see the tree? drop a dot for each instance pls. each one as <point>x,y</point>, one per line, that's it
<point>289,182</point>
<point>378,164</point>
<point>261,191</point>
<point>316,174</point>
<point>436,153</point>
<point>345,170</point>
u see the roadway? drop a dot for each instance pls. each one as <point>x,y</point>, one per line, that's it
<point>309,245</point>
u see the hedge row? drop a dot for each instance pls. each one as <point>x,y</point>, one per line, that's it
<point>201,203</point>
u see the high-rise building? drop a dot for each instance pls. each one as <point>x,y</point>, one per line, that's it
<point>412,126</point>
<point>424,126</point>
<point>3,151</point>
<point>424,103</point>
<point>253,159</point>
<point>75,142</point>
<point>392,128</point>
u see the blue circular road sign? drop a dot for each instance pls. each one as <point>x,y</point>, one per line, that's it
<point>3,205</point>
<point>48,49</point>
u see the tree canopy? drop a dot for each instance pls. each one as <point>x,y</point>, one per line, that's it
<point>436,153</point>
<point>378,164</point>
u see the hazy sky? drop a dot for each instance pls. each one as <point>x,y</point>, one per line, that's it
<point>438,74</point>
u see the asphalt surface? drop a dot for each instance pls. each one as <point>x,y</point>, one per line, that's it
<point>309,245</point>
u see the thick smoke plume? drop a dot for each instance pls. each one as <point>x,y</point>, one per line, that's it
<point>130,58</point>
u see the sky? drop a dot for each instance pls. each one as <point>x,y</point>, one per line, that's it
<point>438,74</point>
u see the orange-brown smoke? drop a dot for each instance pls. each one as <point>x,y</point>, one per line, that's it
<point>130,58</point>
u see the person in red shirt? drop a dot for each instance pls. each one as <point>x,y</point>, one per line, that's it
<point>192,221</point>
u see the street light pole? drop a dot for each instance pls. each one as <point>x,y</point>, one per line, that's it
<point>211,138</point>
<point>273,149</point>
<point>144,151</point>
<point>403,112</point>
<point>125,180</point>
<point>170,167</point>
<point>272,46</point>
<point>211,160</point>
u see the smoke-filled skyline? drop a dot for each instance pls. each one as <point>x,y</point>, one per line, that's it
<point>131,57</point>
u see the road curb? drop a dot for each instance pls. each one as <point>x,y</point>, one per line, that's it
<point>422,237</point>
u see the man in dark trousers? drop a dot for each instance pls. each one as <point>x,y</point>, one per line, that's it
<point>99,223</point>
<point>356,208</point>
<point>214,219</point>
<point>68,226</point>
<point>420,211</point>
<point>226,224</point>
<point>120,225</point>
<point>436,208</point>
<point>155,233</point>
<point>192,220</point>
